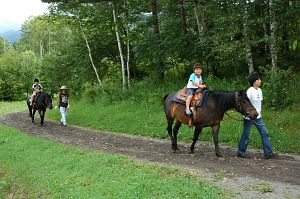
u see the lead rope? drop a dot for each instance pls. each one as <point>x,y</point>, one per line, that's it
<point>233,118</point>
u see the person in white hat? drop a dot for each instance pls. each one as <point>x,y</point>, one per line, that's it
<point>63,102</point>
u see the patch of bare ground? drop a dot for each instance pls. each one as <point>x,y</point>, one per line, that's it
<point>252,177</point>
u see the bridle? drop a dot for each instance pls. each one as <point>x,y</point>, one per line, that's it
<point>239,107</point>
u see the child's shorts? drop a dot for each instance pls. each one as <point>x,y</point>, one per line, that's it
<point>191,91</point>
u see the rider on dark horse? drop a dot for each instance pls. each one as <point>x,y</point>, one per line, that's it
<point>195,82</point>
<point>36,88</point>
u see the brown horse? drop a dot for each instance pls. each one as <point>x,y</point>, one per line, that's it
<point>209,114</point>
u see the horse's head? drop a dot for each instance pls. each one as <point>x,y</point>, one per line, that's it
<point>48,100</point>
<point>244,106</point>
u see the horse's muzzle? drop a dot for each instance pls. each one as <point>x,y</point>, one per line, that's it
<point>50,107</point>
<point>251,116</point>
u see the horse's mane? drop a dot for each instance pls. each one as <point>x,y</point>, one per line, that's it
<point>222,98</point>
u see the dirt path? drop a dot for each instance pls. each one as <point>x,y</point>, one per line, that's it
<point>251,177</point>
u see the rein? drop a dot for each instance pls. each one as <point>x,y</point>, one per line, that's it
<point>234,118</point>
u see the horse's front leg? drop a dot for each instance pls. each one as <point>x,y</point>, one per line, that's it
<point>197,132</point>
<point>32,116</point>
<point>175,132</point>
<point>215,130</point>
<point>42,116</point>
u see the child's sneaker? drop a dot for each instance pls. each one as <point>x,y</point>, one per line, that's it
<point>188,112</point>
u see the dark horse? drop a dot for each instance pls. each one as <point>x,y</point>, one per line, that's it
<point>43,101</point>
<point>210,114</point>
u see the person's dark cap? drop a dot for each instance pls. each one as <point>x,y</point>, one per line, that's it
<point>36,80</point>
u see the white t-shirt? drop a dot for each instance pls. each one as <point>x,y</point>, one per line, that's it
<point>194,78</point>
<point>255,96</point>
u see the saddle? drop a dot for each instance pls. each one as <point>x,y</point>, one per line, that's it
<point>197,100</point>
<point>181,96</point>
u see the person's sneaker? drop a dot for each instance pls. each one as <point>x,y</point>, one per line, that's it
<point>242,155</point>
<point>188,112</point>
<point>272,156</point>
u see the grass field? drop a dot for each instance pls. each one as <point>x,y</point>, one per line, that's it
<point>148,119</point>
<point>12,107</point>
<point>31,167</point>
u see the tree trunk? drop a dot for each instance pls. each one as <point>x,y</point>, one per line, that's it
<point>89,51</point>
<point>204,18</point>
<point>182,14</point>
<point>41,48</point>
<point>197,20</point>
<point>158,59</point>
<point>128,56</point>
<point>273,45</point>
<point>119,46</point>
<point>285,34</point>
<point>249,57</point>
<point>128,46</point>
<point>49,42</point>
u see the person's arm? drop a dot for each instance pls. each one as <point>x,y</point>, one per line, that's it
<point>68,101</point>
<point>199,85</point>
<point>58,100</point>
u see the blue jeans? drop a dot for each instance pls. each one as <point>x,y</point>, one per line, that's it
<point>244,141</point>
<point>191,91</point>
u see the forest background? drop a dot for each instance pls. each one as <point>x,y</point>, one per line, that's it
<point>139,50</point>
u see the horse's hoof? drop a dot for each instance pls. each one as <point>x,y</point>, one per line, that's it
<point>192,152</point>
<point>219,155</point>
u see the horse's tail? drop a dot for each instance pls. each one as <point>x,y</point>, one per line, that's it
<point>165,97</point>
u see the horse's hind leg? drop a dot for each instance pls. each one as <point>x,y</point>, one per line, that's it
<point>30,111</point>
<point>197,132</point>
<point>175,132</point>
<point>170,131</point>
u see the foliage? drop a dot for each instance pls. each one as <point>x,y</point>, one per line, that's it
<point>17,71</point>
<point>279,88</point>
<point>210,32</point>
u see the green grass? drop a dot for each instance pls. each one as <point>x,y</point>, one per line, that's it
<point>6,107</point>
<point>261,187</point>
<point>148,119</point>
<point>31,167</point>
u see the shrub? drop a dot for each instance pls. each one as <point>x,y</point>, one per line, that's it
<point>277,85</point>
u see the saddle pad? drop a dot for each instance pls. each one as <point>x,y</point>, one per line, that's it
<point>181,95</point>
